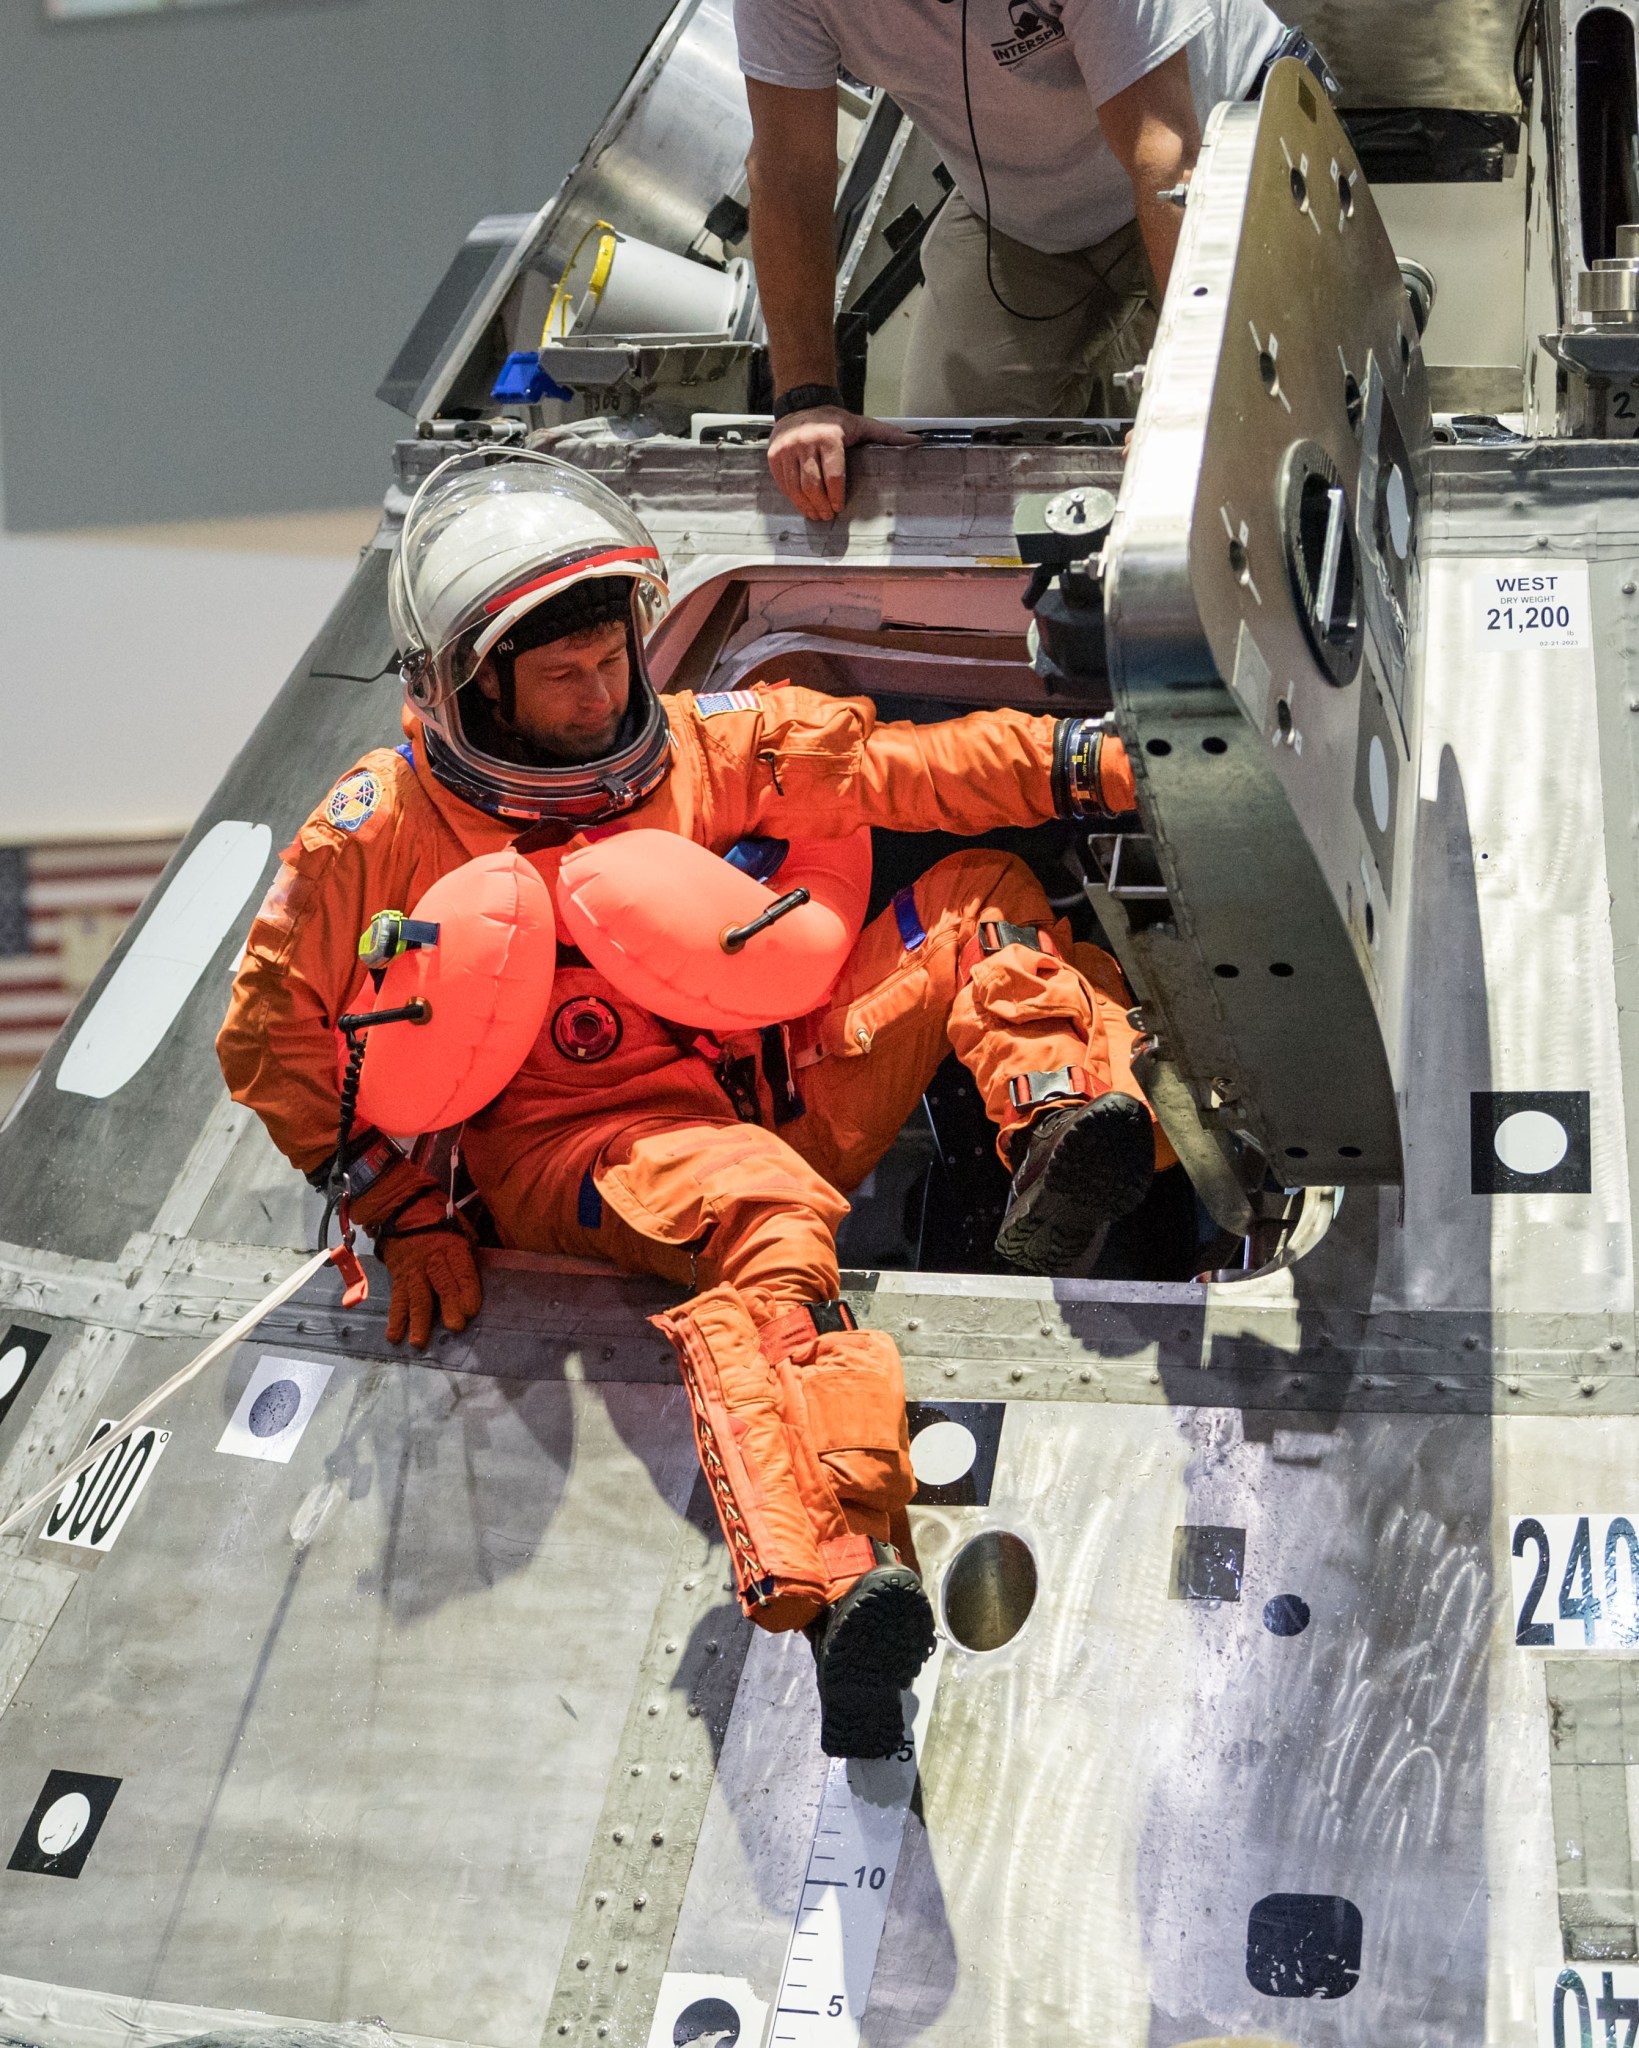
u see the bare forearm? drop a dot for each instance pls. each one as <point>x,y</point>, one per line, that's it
<point>1155,136</point>
<point>1163,166</point>
<point>793,250</point>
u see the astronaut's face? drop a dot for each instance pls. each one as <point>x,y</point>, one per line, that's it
<point>570,696</point>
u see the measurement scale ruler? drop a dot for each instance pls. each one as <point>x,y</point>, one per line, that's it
<point>844,1904</point>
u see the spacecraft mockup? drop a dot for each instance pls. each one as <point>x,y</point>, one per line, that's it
<point>1288,1680</point>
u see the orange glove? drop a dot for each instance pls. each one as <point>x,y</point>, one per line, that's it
<point>428,1255</point>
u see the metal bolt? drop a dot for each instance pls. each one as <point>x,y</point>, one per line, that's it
<point>711,1646</point>
<point>622,1967</point>
<point>658,1837</point>
<point>653,1709</point>
<point>640,1902</point>
<point>1017,1373</point>
<point>1513,1386</point>
<point>950,1372</point>
<point>1471,1342</point>
<point>676,1772</point>
<point>671,1649</point>
<point>620,1834</point>
<point>637,1770</point>
<point>913,1322</point>
<point>1085,1375</point>
<point>603,2030</point>
<point>1586,1386</point>
<point>1629,587</point>
<point>1616,1343</point>
<point>694,1710</point>
<point>563,2026</point>
<point>600,1898</point>
<point>583,1962</point>
<point>689,1585</point>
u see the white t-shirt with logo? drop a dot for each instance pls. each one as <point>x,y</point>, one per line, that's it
<point>1037,71</point>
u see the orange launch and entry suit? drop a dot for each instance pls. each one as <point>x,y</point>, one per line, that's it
<point>721,1164</point>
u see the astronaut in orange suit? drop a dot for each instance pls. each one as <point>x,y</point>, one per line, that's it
<point>521,591</point>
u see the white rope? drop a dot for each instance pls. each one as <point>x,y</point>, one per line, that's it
<point>99,1448</point>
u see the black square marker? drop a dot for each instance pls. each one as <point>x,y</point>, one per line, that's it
<point>1303,1945</point>
<point>66,1820</point>
<point>20,1352</point>
<point>959,1457</point>
<point>1531,1141</point>
<point>1207,1562</point>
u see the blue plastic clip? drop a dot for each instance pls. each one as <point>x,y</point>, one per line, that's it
<point>523,382</point>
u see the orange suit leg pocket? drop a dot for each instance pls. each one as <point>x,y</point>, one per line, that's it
<point>854,1394</point>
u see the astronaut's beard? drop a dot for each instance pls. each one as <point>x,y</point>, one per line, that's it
<point>550,752</point>
<point>491,734</point>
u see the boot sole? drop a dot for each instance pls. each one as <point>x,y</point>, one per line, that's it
<point>1100,1169</point>
<point>879,1637</point>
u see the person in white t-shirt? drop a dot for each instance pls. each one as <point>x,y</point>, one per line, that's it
<point>1061,123</point>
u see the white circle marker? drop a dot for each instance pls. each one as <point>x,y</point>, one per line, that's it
<point>1377,778</point>
<point>943,1453</point>
<point>1531,1141</point>
<point>13,1365</point>
<point>63,1823</point>
<point>1399,510</point>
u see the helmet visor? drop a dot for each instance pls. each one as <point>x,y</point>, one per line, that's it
<point>494,533</point>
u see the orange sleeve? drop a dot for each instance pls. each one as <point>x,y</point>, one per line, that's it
<point>811,764</point>
<point>278,1046</point>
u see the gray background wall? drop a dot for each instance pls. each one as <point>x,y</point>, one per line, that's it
<point>218,224</point>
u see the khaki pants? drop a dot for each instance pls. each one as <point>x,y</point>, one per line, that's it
<point>969,356</point>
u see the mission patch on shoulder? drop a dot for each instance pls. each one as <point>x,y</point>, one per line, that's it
<point>353,800</point>
<point>726,700</point>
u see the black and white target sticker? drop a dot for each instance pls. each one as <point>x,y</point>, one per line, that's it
<point>695,2011</point>
<point>93,1509</point>
<point>66,1820</point>
<point>275,1408</point>
<point>20,1352</point>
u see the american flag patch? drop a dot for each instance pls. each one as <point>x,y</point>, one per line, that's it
<point>61,909</point>
<point>726,700</point>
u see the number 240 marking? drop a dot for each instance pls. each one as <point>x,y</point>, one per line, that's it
<point>1607,1610</point>
<point>1571,1994</point>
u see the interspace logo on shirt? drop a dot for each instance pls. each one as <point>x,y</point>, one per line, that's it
<point>1034,29</point>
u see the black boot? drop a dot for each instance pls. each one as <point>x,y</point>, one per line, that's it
<point>1082,1167</point>
<point>868,1647</point>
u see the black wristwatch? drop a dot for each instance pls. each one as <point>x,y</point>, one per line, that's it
<point>804,397</point>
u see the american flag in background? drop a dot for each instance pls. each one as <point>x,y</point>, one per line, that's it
<point>62,907</point>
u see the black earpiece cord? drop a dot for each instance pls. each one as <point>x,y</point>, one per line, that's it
<point>984,187</point>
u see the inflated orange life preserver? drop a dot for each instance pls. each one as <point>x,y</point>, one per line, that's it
<point>488,982</point>
<point>664,919</point>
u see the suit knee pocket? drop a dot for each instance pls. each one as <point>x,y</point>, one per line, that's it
<point>856,1421</point>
